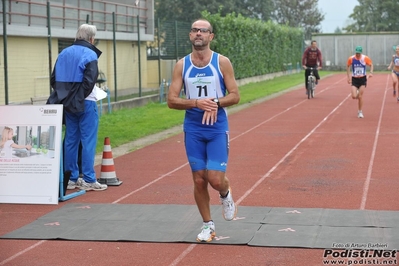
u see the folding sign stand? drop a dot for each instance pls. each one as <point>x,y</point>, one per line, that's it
<point>64,197</point>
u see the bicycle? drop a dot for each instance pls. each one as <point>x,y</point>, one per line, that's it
<point>311,83</point>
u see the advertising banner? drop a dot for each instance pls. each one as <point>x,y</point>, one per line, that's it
<point>30,153</point>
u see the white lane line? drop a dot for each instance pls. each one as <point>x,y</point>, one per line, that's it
<point>183,254</point>
<point>249,191</point>
<point>366,185</point>
<point>282,112</point>
<point>150,183</point>
<point>22,252</point>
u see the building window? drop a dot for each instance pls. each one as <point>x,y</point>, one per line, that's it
<point>64,43</point>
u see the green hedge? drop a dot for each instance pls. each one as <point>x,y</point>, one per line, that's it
<point>255,47</point>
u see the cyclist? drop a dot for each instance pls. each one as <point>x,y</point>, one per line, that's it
<point>358,62</point>
<point>312,58</point>
<point>395,70</point>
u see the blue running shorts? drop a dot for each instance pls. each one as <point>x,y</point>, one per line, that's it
<point>207,151</point>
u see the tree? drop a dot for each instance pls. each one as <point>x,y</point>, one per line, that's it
<point>260,9</point>
<point>338,30</point>
<point>188,10</point>
<point>176,17</point>
<point>298,13</point>
<point>375,15</point>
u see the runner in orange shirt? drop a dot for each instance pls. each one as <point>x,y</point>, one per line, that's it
<point>358,62</point>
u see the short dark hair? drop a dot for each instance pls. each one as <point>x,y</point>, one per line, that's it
<point>313,41</point>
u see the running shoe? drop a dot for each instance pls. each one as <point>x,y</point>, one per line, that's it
<point>92,186</point>
<point>360,114</point>
<point>229,208</point>
<point>207,232</point>
<point>73,185</point>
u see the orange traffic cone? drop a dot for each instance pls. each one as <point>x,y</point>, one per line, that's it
<point>108,175</point>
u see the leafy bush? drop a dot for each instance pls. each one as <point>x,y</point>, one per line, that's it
<point>255,47</point>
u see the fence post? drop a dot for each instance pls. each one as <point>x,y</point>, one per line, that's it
<point>176,42</point>
<point>114,42</point>
<point>159,49</point>
<point>49,43</point>
<point>162,91</point>
<point>5,53</point>
<point>139,56</point>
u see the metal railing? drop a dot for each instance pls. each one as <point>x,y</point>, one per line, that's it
<point>64,15</point>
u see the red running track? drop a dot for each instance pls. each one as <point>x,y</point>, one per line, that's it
<point>287,151</point>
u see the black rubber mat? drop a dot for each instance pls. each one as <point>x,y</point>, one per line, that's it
<point>254,226</point>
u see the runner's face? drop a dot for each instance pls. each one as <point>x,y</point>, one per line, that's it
<point>199,39</point>
<point>314,45</point>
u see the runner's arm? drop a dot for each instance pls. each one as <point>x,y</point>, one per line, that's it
<point>348,69</point>
<point>233,96</point>
<point>370,63</point>
<point>304,58</point>
<point>391,64</point>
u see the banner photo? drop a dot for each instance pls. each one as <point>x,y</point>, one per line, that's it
<point>30,153</point>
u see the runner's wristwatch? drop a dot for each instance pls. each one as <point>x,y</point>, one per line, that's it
<point>216,100</point>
